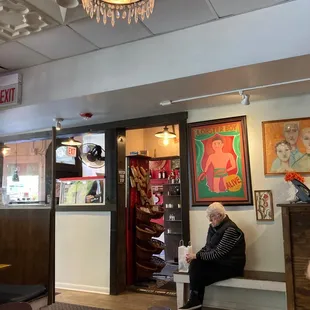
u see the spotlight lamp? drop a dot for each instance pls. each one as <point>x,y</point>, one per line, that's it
<point>245,98</point>
<point>58,123</point>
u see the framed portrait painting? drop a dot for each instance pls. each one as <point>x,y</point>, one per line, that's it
<point>286,146</point>
<point>220,162</point>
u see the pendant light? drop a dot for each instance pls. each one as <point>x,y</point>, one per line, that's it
<point>71,142</point>
<point>165,134</point>
<point>15,177</point>
<point>68,4</point>
<point>4,149</point>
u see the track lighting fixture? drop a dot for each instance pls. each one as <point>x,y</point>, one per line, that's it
<point>58,123</point>
<point>245,98</point>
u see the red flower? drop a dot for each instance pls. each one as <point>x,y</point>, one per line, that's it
<point>289,176</point>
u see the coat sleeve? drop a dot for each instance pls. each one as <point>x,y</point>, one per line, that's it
<point>228,241</point>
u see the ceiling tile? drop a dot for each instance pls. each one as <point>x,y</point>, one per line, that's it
<point>105,35</point>
<point>170,15</point>
<point>234,7</point>
<point>58,43</point>
<point>15,56</point>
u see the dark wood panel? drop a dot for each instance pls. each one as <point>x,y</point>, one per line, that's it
<point>120,211</point>
<point>51,262</point>
<point>115,144</point>
<point>1,165</point>
<point>300,238</point>
<point>289,275</point>
<point>184,162</point>
<point>25,245</point>
<point>296,233</point>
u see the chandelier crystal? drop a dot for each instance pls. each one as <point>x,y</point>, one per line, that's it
<point>119,9</point>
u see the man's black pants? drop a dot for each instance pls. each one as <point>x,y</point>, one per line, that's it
<point>204,273</point>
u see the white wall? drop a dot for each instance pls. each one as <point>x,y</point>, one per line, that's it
<point>264,241</point>
<point>144,139</point>
<point>83,251</point>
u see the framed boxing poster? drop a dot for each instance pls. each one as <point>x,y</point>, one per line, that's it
<point>220,162</point>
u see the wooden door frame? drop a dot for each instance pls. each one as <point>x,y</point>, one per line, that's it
<point>114,165</point>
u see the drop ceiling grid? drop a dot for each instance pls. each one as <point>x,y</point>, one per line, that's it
<point>14,56</point>
<point>83,35</point>
<point>226,8</point>
<point>57,43</point>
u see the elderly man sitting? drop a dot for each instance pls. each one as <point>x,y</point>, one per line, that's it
<point>222,257</point>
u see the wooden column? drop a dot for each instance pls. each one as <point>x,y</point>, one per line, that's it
<point>1,165</point>
<point>296,237</point>
<point>184,164</point>
<point>115,144</point>
<point>51,284</point>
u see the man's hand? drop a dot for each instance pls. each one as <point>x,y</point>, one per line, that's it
<point>190,257</point>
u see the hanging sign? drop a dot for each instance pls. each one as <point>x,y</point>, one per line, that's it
<point>10,89</point>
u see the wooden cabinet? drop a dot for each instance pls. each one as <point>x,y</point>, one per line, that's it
<point>296,234</point>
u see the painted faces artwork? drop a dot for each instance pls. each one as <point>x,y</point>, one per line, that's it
<point>303,163</point>
<point>287,146</point>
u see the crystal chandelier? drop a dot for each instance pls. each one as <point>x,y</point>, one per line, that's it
<point>119,9</point>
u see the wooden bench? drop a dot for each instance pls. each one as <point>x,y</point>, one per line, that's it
<point>254,280</point>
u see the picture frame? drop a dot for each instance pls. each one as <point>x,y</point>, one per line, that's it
<point>220,165</point>
<point>286,146</point>
<point>264,205</point>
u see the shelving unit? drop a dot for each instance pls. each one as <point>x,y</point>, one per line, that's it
<point>172,220</point>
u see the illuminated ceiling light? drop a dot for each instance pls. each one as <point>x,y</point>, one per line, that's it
<point>4,149</point>
<point>165,134</point>
<point>245,98</point>
<point>58,123</point>
<point>119,9</point>
<point>166,141</point>
<point>71,142</point>
<point>68,4</point>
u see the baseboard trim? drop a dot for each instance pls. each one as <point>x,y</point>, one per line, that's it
<point>83,288</point>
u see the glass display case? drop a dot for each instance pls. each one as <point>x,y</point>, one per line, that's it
<point>82,191</point>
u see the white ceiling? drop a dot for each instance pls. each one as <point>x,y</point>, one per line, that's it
<point>33,32</point>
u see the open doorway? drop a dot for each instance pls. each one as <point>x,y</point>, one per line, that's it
<point>154,216</point>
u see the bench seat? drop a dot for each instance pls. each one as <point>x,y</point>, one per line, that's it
<point>20,293</point>
<point>254,280</point>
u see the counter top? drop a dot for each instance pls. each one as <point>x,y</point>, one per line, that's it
<point>25,206</point>
<point>300,204</point>
<point>86,208</point>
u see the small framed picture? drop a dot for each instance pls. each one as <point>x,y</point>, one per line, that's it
<point>264,205</point>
